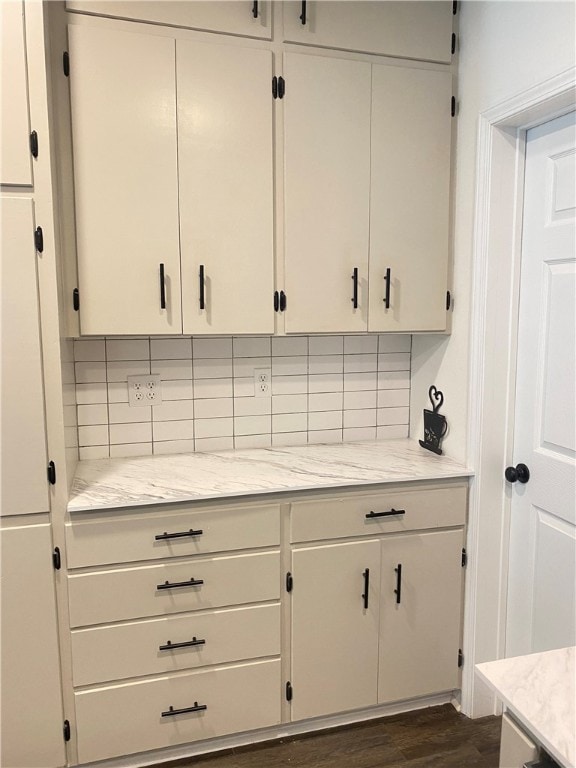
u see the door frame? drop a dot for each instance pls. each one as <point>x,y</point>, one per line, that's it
<point>493,346</point>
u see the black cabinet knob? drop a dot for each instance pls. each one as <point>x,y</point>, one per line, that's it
<point>520,472</point>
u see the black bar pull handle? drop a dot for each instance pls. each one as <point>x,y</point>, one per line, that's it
<point>255,9</point>
<point>390,513</point>
<point>388,281</point>
<point>398,590</point>
<point>179,535</point>
<point>303,14</point>
<point>201,278</point>
<point>176,584</point>
<point>162,288</point>
<point>366,576</point>
<point>355,288</point>
<point>170,646</point>
<point>171,712</point>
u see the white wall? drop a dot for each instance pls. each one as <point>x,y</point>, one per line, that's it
<point>505,47</point>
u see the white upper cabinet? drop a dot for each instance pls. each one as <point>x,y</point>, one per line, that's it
<point>327,184</point>
<point>15,158</point>
<point>410,30</point>
<point>409,199</point>
<point>123,102</point>
<point>24,460</point>
<point>226,188</point>
<point>239,17</point>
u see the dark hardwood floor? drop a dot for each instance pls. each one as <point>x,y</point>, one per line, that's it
<point>438,737</point>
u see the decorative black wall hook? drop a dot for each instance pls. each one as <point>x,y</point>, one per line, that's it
<point>435,424</point>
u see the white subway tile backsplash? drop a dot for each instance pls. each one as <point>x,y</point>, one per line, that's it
<point>288,346</point>
<point>173,410</point>
<point>216,347</point>
<point>255,346</point>
<point>325,345</point>
<point>213,444</point>
<point>130,433</point>
<point>172,430</point>
<point>326,364</point>
<point>171,349</point>
<point>87,394</point>
<point>289,403</point>
<point>214,427</point>
<point>289,366</point>
<point>127,349</point>
<point>323,389</point>
<point>122,413</point>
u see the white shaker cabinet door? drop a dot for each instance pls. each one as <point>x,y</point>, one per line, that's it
<point>327,184</point>
<point>123,100</point>
<point>411,30</point>
<point>15,158</point>
<point>30,697</point>
<point>23,450</point>
<point>226,188</point>
<point>410,199</point>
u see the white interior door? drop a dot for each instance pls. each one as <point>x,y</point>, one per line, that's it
<point>541,591</point>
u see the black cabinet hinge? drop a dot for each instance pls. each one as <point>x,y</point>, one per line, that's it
<point>289,691</point>
<point>454,7</point>
<point>448,300</point>
<point>460,657</point>
<point>76,299</point>
<point>278,87</point>
<point>39,239</point>
<point>289,582</point>
<point>453,45</point>
<point>453,106</point>
<point>66,730</point>
<point>66,63</point>
<point>464,558</point>
<point>51,473</point>
<point>34,144</point>
<point>57,559</point>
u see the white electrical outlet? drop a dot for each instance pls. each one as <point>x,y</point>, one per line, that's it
<point>262,382</point>
<point>145,389</point>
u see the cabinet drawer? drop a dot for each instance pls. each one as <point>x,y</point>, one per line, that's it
<point>130,593</point>
<point>140,648</point>
<point>119,537</point>
<point>342,517</point>
<point>121,719</point>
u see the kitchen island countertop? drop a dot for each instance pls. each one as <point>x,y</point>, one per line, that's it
<point>113,483</point>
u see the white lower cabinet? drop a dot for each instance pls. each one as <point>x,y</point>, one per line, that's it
<point>185,625</point>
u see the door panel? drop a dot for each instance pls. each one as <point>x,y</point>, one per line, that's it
<point>327,185</point>
<point>334,637</point>
<point>24,460</point>
<point>410,198</point>
<point>226,187</point>
<point>420,634</point>
<point>542,566</point>
<point>123,101</point>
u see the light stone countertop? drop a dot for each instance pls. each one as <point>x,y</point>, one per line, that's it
<point>112,483</point>
<point>540,691</point>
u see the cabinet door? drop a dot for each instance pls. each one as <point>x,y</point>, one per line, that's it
<point>327,183</point>
<point>411,30</point>
<point>420,614</point>
<point>410,199</point>
<point>31,699</point>
<point>24,461</point>
<point>123,100</point>
<point>226,188</point>
<point>235,18</point>
<point>334,636</point>
<point>15,159</point>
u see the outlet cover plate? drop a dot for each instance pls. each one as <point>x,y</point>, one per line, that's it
<point>144,389</point>
<point>262,382</point>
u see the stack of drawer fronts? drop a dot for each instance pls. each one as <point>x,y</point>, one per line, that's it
<point>173,610</point>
